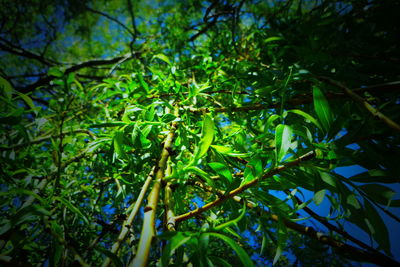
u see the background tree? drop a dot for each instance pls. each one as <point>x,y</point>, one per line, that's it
<point>197,132</point>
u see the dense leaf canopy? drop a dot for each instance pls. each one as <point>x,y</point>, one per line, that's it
<point>201,133</point>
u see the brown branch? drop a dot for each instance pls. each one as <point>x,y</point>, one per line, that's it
<point>242,188</point>
<point>389,122</point>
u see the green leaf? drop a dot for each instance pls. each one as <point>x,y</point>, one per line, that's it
<point>23,191</point>
<point>115,259</point>
<point>177,240</point>
<point>228,151</point>
<point>144,85</point>
<point>163,58</point>
<point>118,144</point>
<point>222,170</point>
<point>168,118</point>
<point>306,116</point>
<point>375,176</point>
<point>72,208</point>
<point>27,214</point>
<point>222,149</point>
<point>219,261</point>
<point>207,135</point>
<point>200,173</point>
<point>254,169</point>
<point>282,236</point>
<point>6,88</point>
<point>378,227</point>
<point>319,197</point>
<point>56,72</point>
<point>28,101</point>
<point>272,39</point>
<point>244,258</point>
<point>380,193</point>
<point>322,109</point>
<point>283,137</point>
<point>234,221</point>
<point>107,124</point>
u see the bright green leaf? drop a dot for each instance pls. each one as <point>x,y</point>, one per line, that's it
<point>283,137</point>
<point>207,136</point>
<point>222,170</point>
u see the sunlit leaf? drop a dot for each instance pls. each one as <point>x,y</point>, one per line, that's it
<point>283,137</point>
<point>222,170</point>
<point>118,144</point>
<point>207,135</point>
<point>163,58</point>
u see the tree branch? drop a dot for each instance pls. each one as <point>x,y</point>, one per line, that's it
<point>370,254</point>
<point>128,222</point>
<point>242,188</point>
<point>389,122</point>
<point>9,47</point>
<point>148,228</point>
<point>91,63</point>
<point>112,19</point>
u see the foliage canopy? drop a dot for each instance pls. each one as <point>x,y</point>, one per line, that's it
<point>198,132</point>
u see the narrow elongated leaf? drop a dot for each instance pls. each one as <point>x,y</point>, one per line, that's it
<point>271,39</point>
<point>283,137</point>
<point>319,197</point>
<point>144,85</point>
<point>163,58</point>
<point>118,144</point>
<point>177,240</point>
<point>200,173</point>
<point>306,116</point>
<point>6,88</point>
<point>380,193</point>
<point>219,261</point>
<point>28,101</point>
<point>282,236</point>
<point>243,256</point>
<point>322,109</point>
<point>375,176</point>
<point>56,72</point>
<point>72,208</point>
<point>207,136</point>
<point>379,230</point>
<point>222,170</point>
<point>117,262</point>
<point>234,221</point>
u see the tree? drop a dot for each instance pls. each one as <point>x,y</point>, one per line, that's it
<point>198,133</point>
